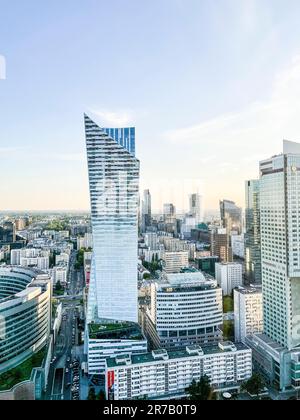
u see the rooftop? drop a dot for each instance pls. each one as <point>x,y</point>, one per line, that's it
<point>117,331</point>
<point>192,351</point>
<point>250,290</point>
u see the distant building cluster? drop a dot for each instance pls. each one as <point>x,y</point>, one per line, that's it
<point>169,298</point>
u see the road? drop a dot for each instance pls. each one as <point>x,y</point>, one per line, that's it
<point>60,376</point>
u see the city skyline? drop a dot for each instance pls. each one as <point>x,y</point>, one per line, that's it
<point>193,120</point>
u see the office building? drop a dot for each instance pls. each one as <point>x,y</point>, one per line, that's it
<point>231,217</point>
<point>188,225</point>
<point>280,249</point>
<point>238,246</point>
<point>112,310</point>
<point>196,208</point>
<point>277,349</point>
<point>248,312</point>
<point>174,262</point>
<point>185,309</point>
<point>110,340</point>
<point>114,191</point>
<point>169,211</point>
<point>252,234</point>
<point>207,264</point>
<point>163,375</point>
<point>25,314</point>
<point>146,211</point>
<point>152,241</point>
<point>220,245</point>
<point>229,276</point>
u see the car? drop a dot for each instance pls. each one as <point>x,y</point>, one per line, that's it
<point>67,370</point>
<point>68,359</point>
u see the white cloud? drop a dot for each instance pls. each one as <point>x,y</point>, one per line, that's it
<point>254,131</point>
<point>9,150</point>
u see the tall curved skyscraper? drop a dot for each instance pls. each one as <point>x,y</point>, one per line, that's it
<point>114,191</point>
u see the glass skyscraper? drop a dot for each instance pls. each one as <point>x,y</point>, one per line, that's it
<point>114,192</point>
<point>252,234</point>
<point>280,245</point>
<point>231,216</point>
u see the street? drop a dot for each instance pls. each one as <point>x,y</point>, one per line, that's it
<point>65,371</point>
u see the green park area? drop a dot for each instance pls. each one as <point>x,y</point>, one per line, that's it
<point>22,372</point>
<point>228,305</point>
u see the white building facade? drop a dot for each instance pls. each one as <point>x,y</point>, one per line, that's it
<point>248,312</point>
<point>163,375</point>
<point>114,191</point>
<point>186,309</point>
<point>174,262</point>
<point>229,276</point>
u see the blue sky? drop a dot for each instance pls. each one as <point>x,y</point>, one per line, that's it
<point>211,85</point>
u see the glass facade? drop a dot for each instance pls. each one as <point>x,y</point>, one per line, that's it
<point>25,315</point>
<point>114,192</point>
<point>280,247</point>
<point>252,234</point>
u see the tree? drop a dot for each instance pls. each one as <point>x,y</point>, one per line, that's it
<point>201,391</point>
<point>58,287</point>
<point>254,385</point>
<point>92,394</point>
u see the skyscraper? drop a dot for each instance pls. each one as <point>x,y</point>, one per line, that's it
<point>220,245</point>
<point>196,208</point>
<point>146,210</point>
<point>169,210</point>
<point>280,245</point>
<point>231,216</point>
<point>114,190</point>
<point>252,234</point>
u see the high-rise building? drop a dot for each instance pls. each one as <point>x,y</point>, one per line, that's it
<point>280,245</point>
<point>229,276</point>
<point>196,208</point>
<point>220,245</point>
<point>146,211</point>
<point>186,309</point>
<point>238,246</point>
<point>112,310</point>
<point>169,210</point>
<point>231,216</point>
<point>276,351</point>
<point>248,312</point>
<point>114,190</point>
<point>252,234</point>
